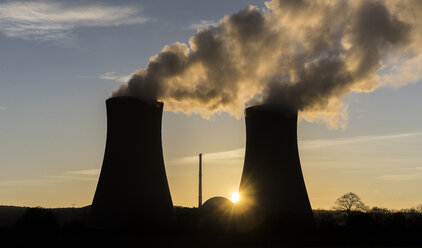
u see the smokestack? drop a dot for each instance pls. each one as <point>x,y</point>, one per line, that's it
<point>132,191</point>
<point>200,182</point>
<point>272,187</point>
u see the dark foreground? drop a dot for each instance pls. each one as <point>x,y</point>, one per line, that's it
<point>65,227</point>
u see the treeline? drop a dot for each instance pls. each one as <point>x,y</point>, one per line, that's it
<point>23,226</point>
<point>375,226</point>
<point>378,226</point>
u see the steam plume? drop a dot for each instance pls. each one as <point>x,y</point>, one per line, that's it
<point>302,54</point>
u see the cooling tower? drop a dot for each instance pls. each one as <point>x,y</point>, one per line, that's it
<point>132,191</point>
<point>272,189</point>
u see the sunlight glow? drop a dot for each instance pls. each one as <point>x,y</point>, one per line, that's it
<point>235,197</point>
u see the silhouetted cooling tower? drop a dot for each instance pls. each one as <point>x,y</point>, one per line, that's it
<point>272,189</point>
<point>132,191</point>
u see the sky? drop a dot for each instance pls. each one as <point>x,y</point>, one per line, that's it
<point>60,61</point>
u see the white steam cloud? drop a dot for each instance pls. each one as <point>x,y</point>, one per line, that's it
<point>302,54</point>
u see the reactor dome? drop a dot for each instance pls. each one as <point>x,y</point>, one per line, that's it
<point>217,206</point>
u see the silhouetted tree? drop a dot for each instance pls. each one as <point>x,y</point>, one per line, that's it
<point>379,210</point>
<point>349,203</point>
<point>418,208</point>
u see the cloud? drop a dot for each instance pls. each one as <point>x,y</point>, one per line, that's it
<point>220,157</point>
<point>400,178</point>
<point>51,20</point>
<point>32,181</point>
<point>321,143</point>
<point>238,154</point>
<point>203,24</point>
<point>92,172</point>
<point>2,108</point>
<point>77,175</point>
<point>5,183</point>
<point>113,76</point>
<point>61,178</point>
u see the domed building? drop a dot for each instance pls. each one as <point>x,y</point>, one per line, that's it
<point>217,206</point>
<point>216,214</point>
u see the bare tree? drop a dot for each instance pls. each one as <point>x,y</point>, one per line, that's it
<point>349,203</point>
<point>418,208</point>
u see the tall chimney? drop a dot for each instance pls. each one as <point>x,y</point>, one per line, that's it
<point>132,191</point>
<point>272,189</point>
<point>200,182</point>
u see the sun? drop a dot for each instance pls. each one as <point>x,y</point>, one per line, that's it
<point>235,197</point>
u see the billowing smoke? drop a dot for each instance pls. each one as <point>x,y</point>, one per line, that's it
<point>302,54</point>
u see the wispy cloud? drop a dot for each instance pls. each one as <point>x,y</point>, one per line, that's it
<point>62,178</point>
<point>320,143</point>
<point>237,155</point>
<point>94,172</point>
<point>76,175</point>
<point>21,182</point>
<point>114,76</point>
<point>2,108</point>
<point>223,156</point>
<point>203,24</point>
<point>51,20</point>
<point>400,178</point>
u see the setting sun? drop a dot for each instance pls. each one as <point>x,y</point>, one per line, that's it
<point>235,197</point>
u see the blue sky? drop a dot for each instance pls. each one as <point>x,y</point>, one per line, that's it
<point>57,69</point>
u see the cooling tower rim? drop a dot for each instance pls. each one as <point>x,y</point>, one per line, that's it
<point>153,103</point>
<point>269,108</point>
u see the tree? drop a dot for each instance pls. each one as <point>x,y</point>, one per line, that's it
<point>349,203</point>
<point>418,208</point>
